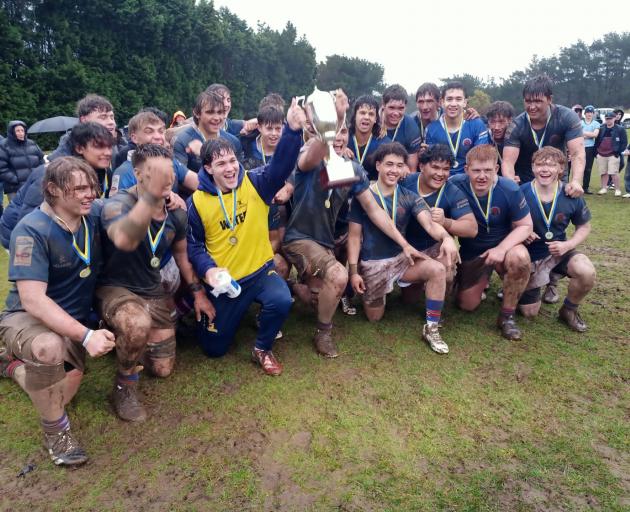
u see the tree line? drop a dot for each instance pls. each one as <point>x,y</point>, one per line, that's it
<point>156,53</point>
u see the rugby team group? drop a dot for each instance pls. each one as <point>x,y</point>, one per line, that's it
<point>113,242</point>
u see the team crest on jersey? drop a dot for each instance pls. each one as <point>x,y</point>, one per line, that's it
<point>467,142</point>
<point>560,217</point>
<point>495,210</point>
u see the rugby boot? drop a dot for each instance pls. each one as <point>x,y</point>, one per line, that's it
<point>431,334</point>
<point>572,318</point>
<point>267,361</point>
<point>508,327</point>
<point>346,306</point>
<point>64,449</point>
<point>126,404</point>
<point>324,343</point>
<point>551,294</point>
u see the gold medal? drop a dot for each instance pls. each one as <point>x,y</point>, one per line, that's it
<point>327,203</point>
<point>233,240</point>
<point>85,273</point>
<point>155,262</point>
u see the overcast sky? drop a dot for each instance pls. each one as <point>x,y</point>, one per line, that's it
<point>424,41</point>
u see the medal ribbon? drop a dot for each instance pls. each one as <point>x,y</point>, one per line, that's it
<point>231,223</point>
<point>396,130</point>
<point>384,204</point>
<point>360,156</point>
<point>85,254</point>
<point>486,214</point>
<point>540,142</point>
<point>495,147</point>
<point>548,218</point>
<point>262,149</point>
<point>106,184</point>
<point>154,242</point>
<point>454,148</point>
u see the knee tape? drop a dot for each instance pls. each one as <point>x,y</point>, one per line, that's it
<point>39,375</point>
<point>162,349</point>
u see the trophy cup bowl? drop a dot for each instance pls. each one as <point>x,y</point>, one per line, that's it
<point>322,114</point>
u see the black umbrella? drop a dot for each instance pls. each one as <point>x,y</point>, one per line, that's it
<point>54,124</point>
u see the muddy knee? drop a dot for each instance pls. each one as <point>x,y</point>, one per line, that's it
<point>46,367</point>
<point>337,277</point>
<point>160,357</point>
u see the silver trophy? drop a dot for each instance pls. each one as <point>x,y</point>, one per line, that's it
<point>322,114</point>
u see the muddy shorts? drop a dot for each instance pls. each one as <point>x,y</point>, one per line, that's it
<point>379,277</point>
<point>170,277</point>
<point>309,258</point>
<point>161,308</point>
<point>17,332</point>
<point>471,272</point>
<point>539,276</point>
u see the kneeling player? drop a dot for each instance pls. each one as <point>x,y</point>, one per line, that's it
<point>449,208</point>
<point>382,262</point>
<point>504,224</point>
<point>549,249</point>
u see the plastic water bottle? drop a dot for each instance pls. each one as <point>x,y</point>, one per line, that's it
<point>225,284</point>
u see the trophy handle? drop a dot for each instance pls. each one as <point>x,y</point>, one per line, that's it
<point>299,100</point>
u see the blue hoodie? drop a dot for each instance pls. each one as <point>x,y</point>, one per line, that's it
<point>266,180</point>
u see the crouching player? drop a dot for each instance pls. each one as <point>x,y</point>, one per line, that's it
<point>382,261</point>
<point>449,208</point>
<point>228,231</point>
<point>55,258</point>
<point>504,224</point>
<point>549,248</point>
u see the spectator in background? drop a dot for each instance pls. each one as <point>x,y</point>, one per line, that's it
<point>618,117</point>
<point>610,144</point>
<point>590,130</point>
<point>179,118</point>
<point>18,157</point>
<point>626,178</point>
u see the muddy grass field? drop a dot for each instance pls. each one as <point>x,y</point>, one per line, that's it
<point>539,424</point>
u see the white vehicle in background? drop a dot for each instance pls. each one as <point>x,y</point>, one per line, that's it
<point>625,121</point>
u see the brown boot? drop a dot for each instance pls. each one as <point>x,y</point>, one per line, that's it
<point>324,343</point>
<point>126,404</point>
<point>509,329</point>
<point>572,318</point>
<point>267,361</point>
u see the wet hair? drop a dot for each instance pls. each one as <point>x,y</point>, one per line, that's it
<point>142,119</point>
<point>390,148</point>
<point>453,85</point>
<point>369,101</point>
<point>93,103</point>
<point>437,153</point>
<point>160,113</point>
<point>219,89</point>
<point>538,86</point>
<point>549,154</point>
<point>428,88</point>
<point>270,115</point>
<point>84,133</point>
<point>60,173</point>
<point>395,93</point>
<point>145,151</point>
<point>500,108</point>
<point>482,153</point>
<point>272,100</point>
<point>214,148</point>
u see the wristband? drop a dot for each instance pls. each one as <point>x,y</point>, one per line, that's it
<point>87,337</point>
<point>195,287</point>
<point>353,269</point>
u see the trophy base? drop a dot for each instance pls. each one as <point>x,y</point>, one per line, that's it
<point>338,176</point>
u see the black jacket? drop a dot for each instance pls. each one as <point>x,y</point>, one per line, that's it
<point>619,138</point>
<point>18,158</point>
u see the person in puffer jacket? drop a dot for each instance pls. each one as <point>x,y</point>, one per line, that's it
<point>18,157</point>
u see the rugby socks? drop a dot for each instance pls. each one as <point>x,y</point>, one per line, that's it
<point>127,380</point>
<point>9,369</point>
<point>323,326</point>
<point>434,311</point>
<point>569,305</point>
<point>507,312</point>
<point>56,426</point>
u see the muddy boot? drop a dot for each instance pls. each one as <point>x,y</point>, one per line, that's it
<point>572,318</point>
<point>64,449</point>
<point>126,404</point>
<point>508,327</point>
<point>324,343</point>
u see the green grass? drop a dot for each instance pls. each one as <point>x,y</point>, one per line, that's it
<point>540,424</point>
